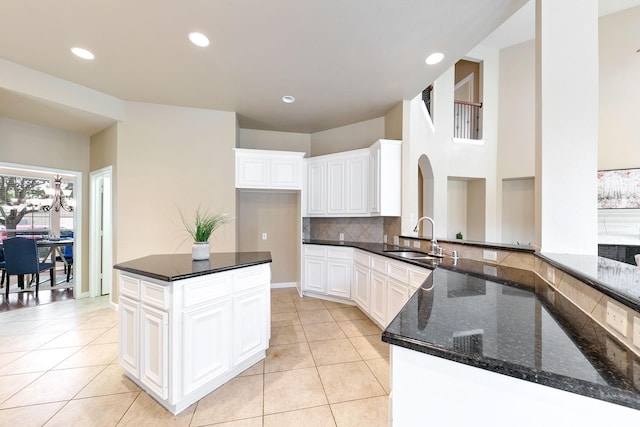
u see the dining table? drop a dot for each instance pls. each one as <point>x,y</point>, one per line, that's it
<point>55,248</point>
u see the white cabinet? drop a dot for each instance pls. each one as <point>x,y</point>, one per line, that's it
<point>328,270</point>
<point>316,188</point>
<point>154,350</point>
<point>268,170</point>
<point>397,297</point>
<point>361,286</point>
<point>337,184</point>
<point>385,178</point>
<point>181,340</point>
<point>365,182</point>
<point>378,307</point>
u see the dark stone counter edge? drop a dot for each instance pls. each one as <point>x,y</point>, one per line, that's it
<point>189,275</point>
<point>625,299</point>
<point>561,382</point>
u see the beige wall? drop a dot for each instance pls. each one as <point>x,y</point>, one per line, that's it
<point>462,69</point>
<point>350,137</point>
<point>271,140</point>
<point>278,215</point>
<point>172,160</point>
<point>619,133</point>
<point>516,118</point>
<point>32,145</point>
<point>393,123</point>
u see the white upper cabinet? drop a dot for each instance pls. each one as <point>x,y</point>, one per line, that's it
<point>385,178</point>
<point>337,184</point>
<point>365,182</point>
<point>268,170</point>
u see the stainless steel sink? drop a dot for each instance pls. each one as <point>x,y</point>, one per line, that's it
<point>411,254</point>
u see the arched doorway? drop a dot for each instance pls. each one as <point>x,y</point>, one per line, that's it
<point>425,187</point>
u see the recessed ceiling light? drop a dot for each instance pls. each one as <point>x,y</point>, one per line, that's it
<point>288,99</point>
<point>434,58</point>
<point>199,39</point>
<point>82,53</point>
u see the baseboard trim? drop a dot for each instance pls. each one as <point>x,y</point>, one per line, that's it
<point>283,285</point>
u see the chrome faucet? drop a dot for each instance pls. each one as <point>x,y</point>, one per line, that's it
<point>434,241</point>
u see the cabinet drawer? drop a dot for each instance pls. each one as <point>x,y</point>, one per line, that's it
<point>206,289</point>
<point>340,253</point>
<point>130,287</point>
<point>379,264</point>
<point>398,271</point>
<point>154,295</point>
<point>362,258</point>
<point>315,250</point>
<point>250,278</point>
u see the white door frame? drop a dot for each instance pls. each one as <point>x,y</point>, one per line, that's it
<point>100,238</point>
<point>77,234</point>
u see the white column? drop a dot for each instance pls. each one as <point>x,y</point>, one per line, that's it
<point>566,126</point>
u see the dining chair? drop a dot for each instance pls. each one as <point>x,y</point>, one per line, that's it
<point>2,266</point>
<point>21,257</point>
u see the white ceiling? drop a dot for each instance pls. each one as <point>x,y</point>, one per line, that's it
<point>344,61</point>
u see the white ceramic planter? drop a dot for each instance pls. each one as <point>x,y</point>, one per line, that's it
<point>200,251</point>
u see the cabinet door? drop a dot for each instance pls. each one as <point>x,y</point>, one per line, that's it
<point>397,297</point>
<point>154,350</point>
<point>314,274</point>
<point>129,312</point>
<point>206,341</point>
<point>357,184</point>
<point>336,187</point>
<point>378,308</point>
<point>250,324</point>
<point>252,171</point>
<point>361,287</point>
<point>316,188</point>
<point>339,278</point>
<point>374,180</point>
<point>285,173</point>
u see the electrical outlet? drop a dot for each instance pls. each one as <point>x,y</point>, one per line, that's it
<point>416,244</point>
<point>396,240</point>
<point>384,238</point>
<point>617,318</point>
<point>407,243</point>
<point>490,255</point>
<point>264,236</point>
<point>636,331</point>
<point>341,236</point>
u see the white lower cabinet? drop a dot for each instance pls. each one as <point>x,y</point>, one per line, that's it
<point>328,270</point>
<point>378,307</point>
<point>382,286</point>
<point>154,349</point>
<point>361,285</point>
<point>397,297</point>
<point>181,340</point>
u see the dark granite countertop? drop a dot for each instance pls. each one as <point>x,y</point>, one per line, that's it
<point>619,280</point>
<point>512,331</point>
<point>171,267</point>
<point>487,245</point>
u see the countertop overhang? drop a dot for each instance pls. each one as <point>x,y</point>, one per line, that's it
<point>172,267</point>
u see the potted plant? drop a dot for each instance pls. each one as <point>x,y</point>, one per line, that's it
<point>200,230</point>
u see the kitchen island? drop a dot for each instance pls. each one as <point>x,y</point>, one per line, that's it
<point>187,327</point>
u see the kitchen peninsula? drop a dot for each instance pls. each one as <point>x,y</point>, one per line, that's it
<point>187,327</point>
<point>484,343</point>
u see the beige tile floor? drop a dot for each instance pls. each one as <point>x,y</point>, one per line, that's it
<point>326,366</point>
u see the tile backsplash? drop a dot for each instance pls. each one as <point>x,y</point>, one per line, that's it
<point>361,229</point>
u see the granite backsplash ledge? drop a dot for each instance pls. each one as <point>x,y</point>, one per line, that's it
<point>356,229</point>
